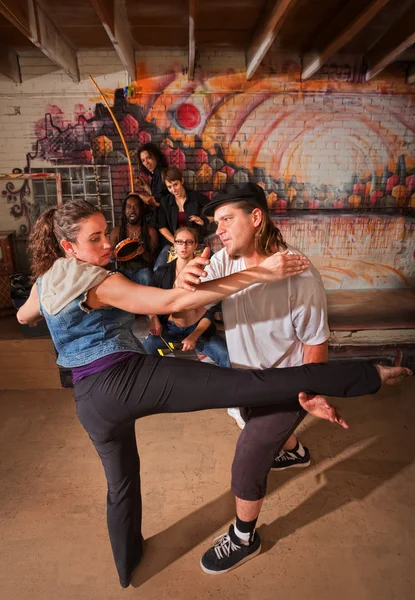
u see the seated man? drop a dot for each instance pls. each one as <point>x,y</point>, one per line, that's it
<point>192,328</point>
<point>133,226</point>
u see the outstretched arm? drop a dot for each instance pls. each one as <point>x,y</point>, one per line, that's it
<point>121,293</point>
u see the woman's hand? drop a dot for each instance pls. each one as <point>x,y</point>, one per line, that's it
<point>154,325</point>
<point>151,201</point>
<point>188,343</point>
<point>189,276</point>
<point>196,220</point>
<point>282,265</point>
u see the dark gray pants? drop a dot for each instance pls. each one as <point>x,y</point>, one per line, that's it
<point>108,403</point>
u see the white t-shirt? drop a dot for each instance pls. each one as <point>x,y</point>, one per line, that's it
<point>267,323</point>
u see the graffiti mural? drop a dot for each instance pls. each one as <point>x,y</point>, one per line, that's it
<point>326,148</point>
<point>316,151</point>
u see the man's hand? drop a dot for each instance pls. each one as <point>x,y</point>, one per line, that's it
<point>321,408</point>
<point>154,325</point>
<point>188,343</point>
<point>282,265</point>
<point>189,276</point>
<point>140,249</point>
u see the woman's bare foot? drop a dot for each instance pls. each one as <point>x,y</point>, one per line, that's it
<point>392,375</point>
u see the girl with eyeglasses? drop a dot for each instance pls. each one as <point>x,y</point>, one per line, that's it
<point>179,208</point>
<point>188,329</point>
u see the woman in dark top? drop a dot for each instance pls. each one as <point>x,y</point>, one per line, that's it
<point>191,328</point>
<point>152,161</point>
<point>179,208</point>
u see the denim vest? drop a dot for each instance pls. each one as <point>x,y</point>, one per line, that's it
<point>82,335</point>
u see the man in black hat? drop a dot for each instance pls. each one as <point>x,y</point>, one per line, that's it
<point>280,324</point>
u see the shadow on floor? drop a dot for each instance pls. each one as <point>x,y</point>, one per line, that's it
<point>389,449</point>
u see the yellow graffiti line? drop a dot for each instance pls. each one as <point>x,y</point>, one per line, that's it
<point>363,262</point>
<point>331,278</point>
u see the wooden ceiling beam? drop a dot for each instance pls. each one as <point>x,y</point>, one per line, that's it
<point>395,42</point>
<point>40,30</point>
<point>192,44</point>
<point>9,64</point>
<point>317,60</point>
<point>116,26</point>
<point>266,33</point>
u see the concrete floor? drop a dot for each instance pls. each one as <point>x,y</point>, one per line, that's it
<point>341,529</point>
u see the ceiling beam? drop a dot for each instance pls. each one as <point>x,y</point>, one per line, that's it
<point>192,45</point>
<point>40,30</point>
<point>395,42</point>
<point>317,60</point>
<point>9,64</point>
<point>266,33</point>
<point>114,19</point>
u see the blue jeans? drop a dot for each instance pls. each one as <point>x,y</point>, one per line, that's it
<point>162,257</point>
<point>214,347</point>
<point>143,276</point>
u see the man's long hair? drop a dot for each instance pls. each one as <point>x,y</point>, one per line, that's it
<point>268,238</point>
<point>145,238</point>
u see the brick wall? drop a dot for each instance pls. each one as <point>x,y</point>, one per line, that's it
<point>329,144</point>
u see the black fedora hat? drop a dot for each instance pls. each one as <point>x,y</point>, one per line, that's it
<point>235,192</point>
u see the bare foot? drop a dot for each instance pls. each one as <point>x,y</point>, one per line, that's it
<point>392,375</point>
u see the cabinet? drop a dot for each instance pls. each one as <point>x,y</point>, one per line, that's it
<point>7,267</point>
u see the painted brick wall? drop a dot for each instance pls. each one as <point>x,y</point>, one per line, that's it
<point>325,147</point>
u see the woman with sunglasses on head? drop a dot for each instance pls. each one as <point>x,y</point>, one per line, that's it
<point>90,312</point>
<point>179,208</point>
<point>191,328</point>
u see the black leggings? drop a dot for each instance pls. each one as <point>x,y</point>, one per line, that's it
<point>109,402</point>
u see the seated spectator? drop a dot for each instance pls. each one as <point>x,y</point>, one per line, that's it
<point>180,207</point>
<point>133,226</point>
<point>191,328</point>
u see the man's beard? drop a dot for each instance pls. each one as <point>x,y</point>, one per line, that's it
<point>133,221</point>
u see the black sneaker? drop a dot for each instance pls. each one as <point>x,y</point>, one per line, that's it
<point>228,553</point>
<point>291,458</point>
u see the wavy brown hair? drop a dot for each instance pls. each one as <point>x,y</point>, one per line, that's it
<point>153,151</point>
<point>268,238</point>
<point>53,226</point>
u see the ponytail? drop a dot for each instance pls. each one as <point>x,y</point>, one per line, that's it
<point>53,226</point>
<point>43,245</point>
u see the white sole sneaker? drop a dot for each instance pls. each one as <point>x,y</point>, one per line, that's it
<point>241,562</point>
<point>296,466</point>
<point>235,414</point>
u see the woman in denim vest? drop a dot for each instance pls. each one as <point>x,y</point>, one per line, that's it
<point>90,311</point>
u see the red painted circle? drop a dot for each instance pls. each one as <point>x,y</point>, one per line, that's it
<point>188,116</point>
